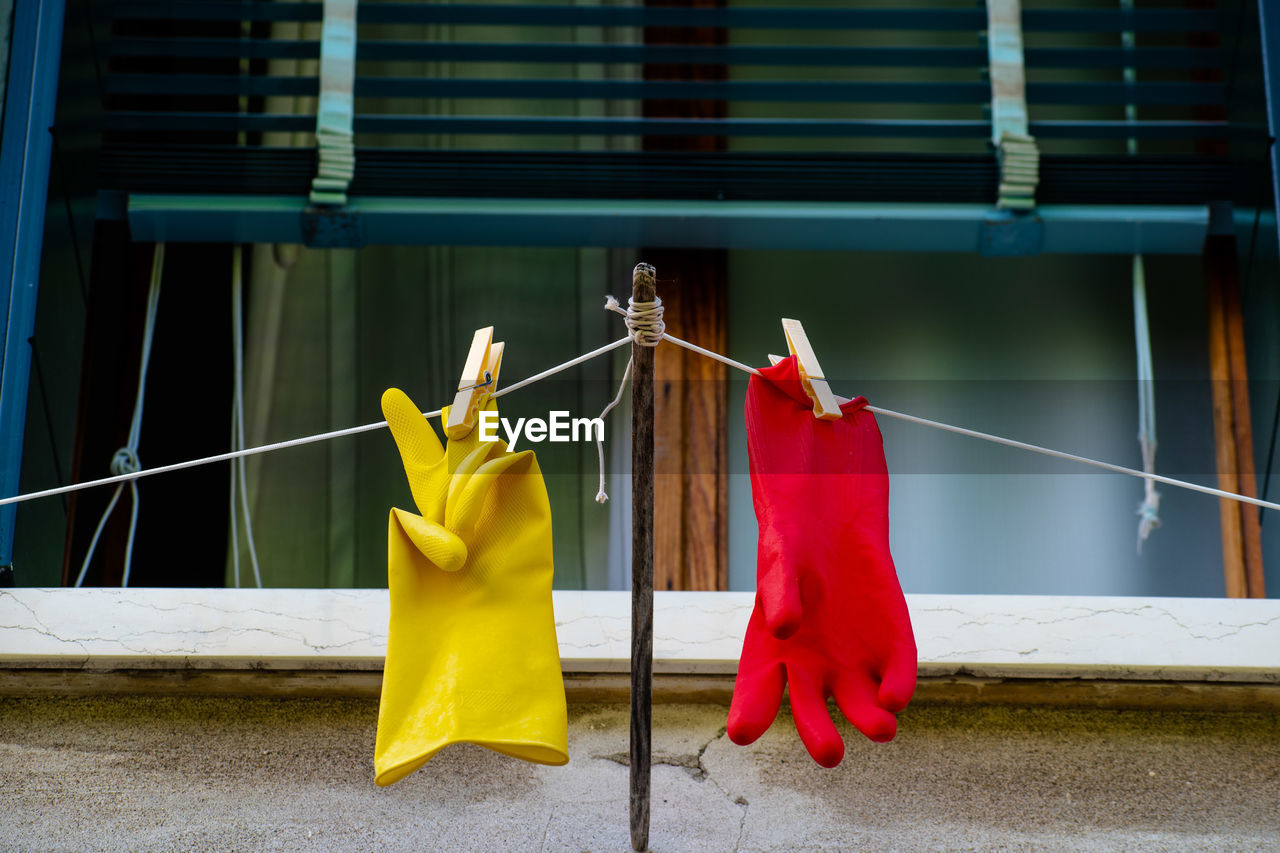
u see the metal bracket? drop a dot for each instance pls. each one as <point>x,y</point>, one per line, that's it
<point>1007,234</point>
<point>326,227</point>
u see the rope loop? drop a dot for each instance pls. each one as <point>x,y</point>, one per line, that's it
<point>645,327</point>
<point>644,319</point>
<point>125,461</point>
<point>648,325</point>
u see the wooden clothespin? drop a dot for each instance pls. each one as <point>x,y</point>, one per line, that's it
<point>479,380</point>
<point>825,405</point>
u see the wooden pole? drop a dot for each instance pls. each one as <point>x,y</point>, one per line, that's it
<point>1241,534</point>
<point>1225,437</point>
<point>1251,525</point>
<point>642,290</point>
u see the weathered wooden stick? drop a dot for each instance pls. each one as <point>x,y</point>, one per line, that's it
<point>642,290</point>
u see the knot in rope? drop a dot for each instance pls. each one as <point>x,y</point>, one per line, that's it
<point>1148,514</point>
<point>644,319</point>
<point>645,327</point>
<point>125,461</point>
<point>1150,509</point>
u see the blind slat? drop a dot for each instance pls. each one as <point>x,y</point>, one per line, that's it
<point>783,18</point>
<point>1186,94</point>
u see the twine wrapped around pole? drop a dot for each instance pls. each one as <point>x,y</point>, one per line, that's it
<point>642,291</point>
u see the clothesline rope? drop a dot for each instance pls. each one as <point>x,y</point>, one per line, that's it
<point>647,328</point>
<point>356,430</point>
<point>1149,509</point>
<point>239,475</point>
<point>294,442</point>
<point>125,462</point>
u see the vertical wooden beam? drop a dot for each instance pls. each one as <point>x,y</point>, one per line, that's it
<point>706,484</point>
<point>670,431</point>
<point>1224,441</point>
<point>706,108</point>
<point>1241,532</point>
<point>690,416</point>
<point>691,498</point>
<point>1227,366</point>
<point>1242,421</point>
<point>642,290</point>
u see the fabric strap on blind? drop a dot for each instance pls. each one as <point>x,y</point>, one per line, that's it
<point>335,142</point>
<point>1016,149</point>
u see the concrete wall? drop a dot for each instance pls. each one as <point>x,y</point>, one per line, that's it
<point>159,773</point>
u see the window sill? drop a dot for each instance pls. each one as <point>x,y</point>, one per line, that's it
<point>1029,649</point>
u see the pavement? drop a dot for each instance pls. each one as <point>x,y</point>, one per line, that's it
<point>218,773</point>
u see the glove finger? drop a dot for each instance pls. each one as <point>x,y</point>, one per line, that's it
<point>437,544</point>
<point>414,436</point>
<point>757,696</point>
<point>416,440</point>
<point>778,590</point>
<point>856,697</point>
<point>466,502</point>
<point>898,679</point>
<point>467,467</point>
<point>813,722</point>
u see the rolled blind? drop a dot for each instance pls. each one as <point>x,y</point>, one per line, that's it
<point>812,103</point>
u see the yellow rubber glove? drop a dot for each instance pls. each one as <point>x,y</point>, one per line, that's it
<point>471,649</point>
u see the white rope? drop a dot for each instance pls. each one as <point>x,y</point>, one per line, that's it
<point>1070,457</point>
<point>601,495</point>
<point>644,319</point>
<point>125,463</point>
<point>647,328</point>
<point>745,368</point>
<point>235,357</point>
<point>340,433</point>
<point>1149,509</point>
<point>559,368</point>
<point>292,442</point>
<point>611,304</point>
<point>238,471</point>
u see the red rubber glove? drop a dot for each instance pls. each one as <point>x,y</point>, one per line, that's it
<point>829,617</point>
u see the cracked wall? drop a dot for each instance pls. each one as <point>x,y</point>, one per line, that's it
<point>296,774</point>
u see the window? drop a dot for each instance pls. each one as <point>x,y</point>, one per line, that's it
<point>455,120</point>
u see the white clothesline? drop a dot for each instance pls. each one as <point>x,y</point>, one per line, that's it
<point>293,442</point>
<point>1007,442</point>
<point>356,430</point>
